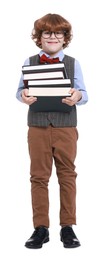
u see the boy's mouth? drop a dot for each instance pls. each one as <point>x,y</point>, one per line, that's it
<point>52,43</point>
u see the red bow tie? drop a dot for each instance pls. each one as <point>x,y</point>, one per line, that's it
<point>45,59</point>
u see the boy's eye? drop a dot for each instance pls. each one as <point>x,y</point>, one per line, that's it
<point>58,32</point>
<point>46,32</point>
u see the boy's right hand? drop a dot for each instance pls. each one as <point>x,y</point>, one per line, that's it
<point>27,100</point>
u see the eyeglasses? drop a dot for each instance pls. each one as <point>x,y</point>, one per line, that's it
<point>58,34</point>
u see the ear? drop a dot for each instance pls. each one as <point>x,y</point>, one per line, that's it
<point>40,43</point>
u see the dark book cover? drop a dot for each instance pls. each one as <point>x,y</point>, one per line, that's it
<point>50,104</point>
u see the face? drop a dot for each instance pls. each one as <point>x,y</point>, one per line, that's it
<point>52,45</point>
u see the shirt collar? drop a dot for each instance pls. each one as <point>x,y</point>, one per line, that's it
<point>60,54</point>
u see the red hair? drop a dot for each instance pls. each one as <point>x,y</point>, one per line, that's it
<point>52,22</point>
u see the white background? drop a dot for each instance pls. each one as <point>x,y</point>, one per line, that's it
<point>89,46</point>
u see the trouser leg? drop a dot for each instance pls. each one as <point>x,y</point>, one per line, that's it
<point>64,155</point>
<point>39,142</point>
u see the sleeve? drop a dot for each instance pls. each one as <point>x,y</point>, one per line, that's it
<point>79,83</point>
<point>21,85</point>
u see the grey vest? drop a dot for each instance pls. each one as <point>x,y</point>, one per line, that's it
<point>57,119</point>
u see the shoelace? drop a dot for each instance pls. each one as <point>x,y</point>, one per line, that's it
<point>38,233</point>
<point>68,232</point>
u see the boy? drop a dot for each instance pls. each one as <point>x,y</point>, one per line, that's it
<point>53,135</point>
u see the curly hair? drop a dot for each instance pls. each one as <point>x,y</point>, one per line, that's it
<point>51,22</point>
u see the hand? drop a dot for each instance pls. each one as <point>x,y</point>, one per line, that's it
<point>76,95</point>
<point>27,100</point>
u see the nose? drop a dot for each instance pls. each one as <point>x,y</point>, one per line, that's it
<point>52,35</point>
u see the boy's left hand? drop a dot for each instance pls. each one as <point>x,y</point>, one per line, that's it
<point>76,95</point>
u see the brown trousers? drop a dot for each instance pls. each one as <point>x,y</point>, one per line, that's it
<point>46,144</point>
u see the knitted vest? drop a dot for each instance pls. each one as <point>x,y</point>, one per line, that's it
<point>57,119</point>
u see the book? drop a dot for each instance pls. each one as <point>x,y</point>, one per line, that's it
<point>45,67</point>
<point>44,75</point>
<point>49,92</point>
<point>55,87</point>
<point>50,104</point>
<point>49,83</point>
<point>45,71</point>
<point>49,95</point>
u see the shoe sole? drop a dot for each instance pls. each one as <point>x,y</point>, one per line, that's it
<point>72,246</point>
<point>39,246</point>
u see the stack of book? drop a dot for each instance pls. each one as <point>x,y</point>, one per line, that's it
<point>49,83</point>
